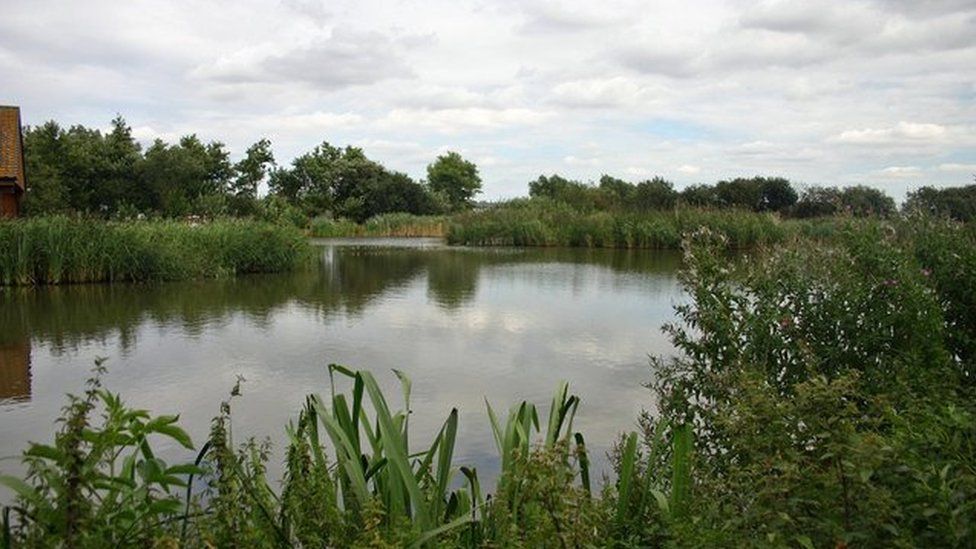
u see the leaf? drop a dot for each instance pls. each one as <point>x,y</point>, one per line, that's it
<point>186,469</point>
<point>23,490</point>
<point>45,452</point>
<point>175,433</point>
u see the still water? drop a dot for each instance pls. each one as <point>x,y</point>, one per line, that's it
<point>465,324</point>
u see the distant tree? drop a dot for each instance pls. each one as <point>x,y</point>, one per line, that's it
<point>44,149</point>
<point>777,194</point>
<point>616,192</point>
<point>311,180</point>
<point>817,202</point>
<point>574,193</point>
<point>702,196</point>
<point>122,154</point>
<point>758,194</point>
<point>456,178</point>
<point>655,194</point>
<point>185,178</point>
<point>345,183</point>
<point>958,203</point>
<point>252,169</point>
<point>862,201</point>
<point>739,193</point>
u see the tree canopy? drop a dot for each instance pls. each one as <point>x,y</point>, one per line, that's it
<point>455,178</point>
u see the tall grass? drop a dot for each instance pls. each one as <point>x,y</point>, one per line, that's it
<point>545,223</point>
<point>391,224</point>
<point>61,250</point>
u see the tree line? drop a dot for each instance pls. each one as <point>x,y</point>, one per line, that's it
<point>109,174</point>
<point>83,170</point>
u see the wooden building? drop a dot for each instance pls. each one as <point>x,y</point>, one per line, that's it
<point>12,178</point>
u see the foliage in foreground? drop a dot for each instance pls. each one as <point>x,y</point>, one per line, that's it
<point>823,398</point>
<point>61,250</point>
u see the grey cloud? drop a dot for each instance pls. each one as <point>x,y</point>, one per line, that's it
<point>651,59</point>
<point>860,28</point>
<point>342,59</point>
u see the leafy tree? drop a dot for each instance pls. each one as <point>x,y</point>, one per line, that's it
<point>345,183</point>
<point>758,194</point>
<point>777,194</point>
<point>617,191</point>
<point>177,178</point>
<point>863,201</point>
<point>655,194</point>
<point>43,150</point>
<point>958,203</point>
<point>574,193</point>
<point>817,202</point>
<point>455,177</point>
<point>702,196</point>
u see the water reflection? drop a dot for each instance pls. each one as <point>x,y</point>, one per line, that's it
<point>465,324</point>
<point>15,375</point>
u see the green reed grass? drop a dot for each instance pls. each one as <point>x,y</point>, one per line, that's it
<point>391,225</point>
<point>552,224</point>
<point>61,250</point>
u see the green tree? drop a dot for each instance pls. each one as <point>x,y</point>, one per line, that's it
<point>617,192</point>
<point>190,177</point>
<point>655,194</point>
<point>863,201</point>
<point>456,178</point>
<point>47,191</point>
<point>817,202</point>
<point>958,203</point>
<point>248,174</point>
<point>702,196</point>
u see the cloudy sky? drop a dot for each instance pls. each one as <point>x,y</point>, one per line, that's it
<point>879,92</point>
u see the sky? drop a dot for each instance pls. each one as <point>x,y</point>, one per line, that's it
<point>879,92</point>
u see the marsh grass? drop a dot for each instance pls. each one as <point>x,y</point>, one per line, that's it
<point>545,223</point>
<point>391,225</point>
<point>61,250</point>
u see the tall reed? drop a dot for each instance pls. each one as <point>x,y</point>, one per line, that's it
<point>391,224</point>
<point>61,250</point>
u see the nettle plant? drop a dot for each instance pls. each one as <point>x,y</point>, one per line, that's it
<point>100,483</point>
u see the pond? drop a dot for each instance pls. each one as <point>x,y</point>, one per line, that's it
<point>465,324</point>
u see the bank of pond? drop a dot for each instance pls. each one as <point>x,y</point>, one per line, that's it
<point>822,396</point>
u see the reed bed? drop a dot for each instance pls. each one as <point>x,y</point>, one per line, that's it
<point>385,225</point>
<point>553,224</point>
<point>61,250</point>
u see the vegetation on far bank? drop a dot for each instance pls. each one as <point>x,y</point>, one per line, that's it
<point>822,396</point>
<point>392,225</point>
<point>109,175</point>
<point>63,250</point>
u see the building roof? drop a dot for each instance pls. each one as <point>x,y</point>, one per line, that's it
<point>11,147</point>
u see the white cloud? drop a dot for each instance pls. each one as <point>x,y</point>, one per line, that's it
<point>954,167</point>
<point>901,171</point>
<point>901,133</point>
<point>578,161</point>
<point>460,119</point>
<point>688,169</point>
